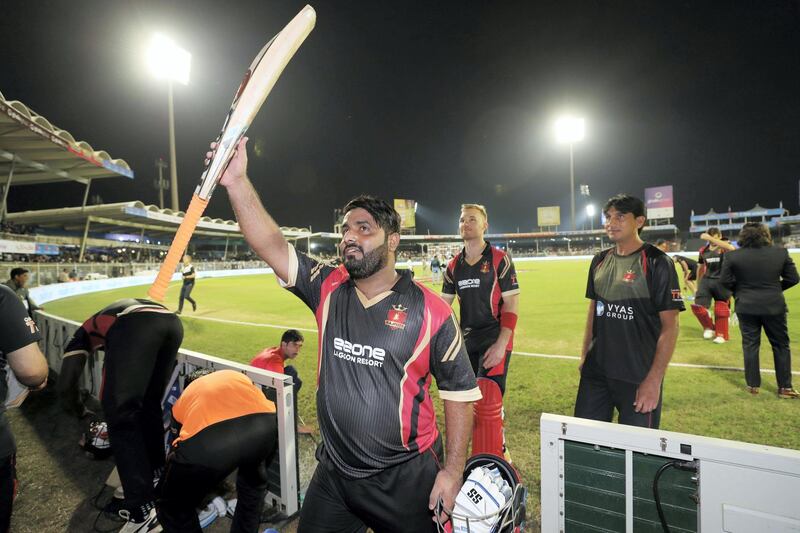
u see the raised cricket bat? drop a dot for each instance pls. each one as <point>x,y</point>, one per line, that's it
<point>257,83</point>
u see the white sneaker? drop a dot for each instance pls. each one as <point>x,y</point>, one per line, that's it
<point>148,525</point>
<point>719,340</point>
<point>708,334</point>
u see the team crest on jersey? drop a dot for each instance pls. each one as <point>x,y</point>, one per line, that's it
<point>397,317</point>
<point>485,267</point>
<point>629,277</point>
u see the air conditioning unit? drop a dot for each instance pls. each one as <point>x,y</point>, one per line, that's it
<point>601,477</point>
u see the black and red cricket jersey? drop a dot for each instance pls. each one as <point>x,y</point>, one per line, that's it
<point>480,289</point>
<point>91,336</point>
<point>629,292</point>
<point>712,259</point>
<point>376,358</point>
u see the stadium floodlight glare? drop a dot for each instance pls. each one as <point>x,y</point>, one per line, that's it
<point>590,210</point>
<point>167,60</point>
<point>571,129</point>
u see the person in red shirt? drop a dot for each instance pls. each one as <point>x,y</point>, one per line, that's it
<point>274,360</point>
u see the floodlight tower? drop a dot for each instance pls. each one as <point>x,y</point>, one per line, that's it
<point>571,129</point>
<point>167,60</point>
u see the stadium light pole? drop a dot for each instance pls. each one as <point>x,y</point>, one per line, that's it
<point>167,60</point>
<point>571,129</point>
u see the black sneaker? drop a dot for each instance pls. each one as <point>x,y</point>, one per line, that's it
<point>141,520</point>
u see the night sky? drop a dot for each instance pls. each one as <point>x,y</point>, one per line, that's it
<point>441,102</point>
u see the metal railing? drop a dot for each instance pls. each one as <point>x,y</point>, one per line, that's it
<point>283,483</point>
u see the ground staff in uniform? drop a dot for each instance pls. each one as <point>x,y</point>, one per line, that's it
<point>223,423</point>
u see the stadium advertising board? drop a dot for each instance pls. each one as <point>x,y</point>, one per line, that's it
<point>658,202</point>
<point>548,216</point>
<point>406,209</point>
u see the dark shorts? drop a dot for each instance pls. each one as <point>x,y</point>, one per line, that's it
<point>711,288</point>
<point>395,500</point>
<point>599,396</point>
<point>197,465</point>
<point>476,346</point>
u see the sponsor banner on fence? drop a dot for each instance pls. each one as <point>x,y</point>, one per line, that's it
<point>17,247</point>
<point>658,202</point>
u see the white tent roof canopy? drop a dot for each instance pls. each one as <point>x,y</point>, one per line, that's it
<point>44,153</point>
<point>110,218</point>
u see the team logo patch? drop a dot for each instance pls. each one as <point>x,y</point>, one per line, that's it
<point>485,267</point>
<point>676,295</point>
<point>397,317</point>
<point>31,324</point>
<point>600,308</point>
<point>629,277</point>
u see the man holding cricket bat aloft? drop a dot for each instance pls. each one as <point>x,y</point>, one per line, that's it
<point>382,336</point>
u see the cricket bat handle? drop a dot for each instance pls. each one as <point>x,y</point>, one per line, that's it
<point>158,290</point>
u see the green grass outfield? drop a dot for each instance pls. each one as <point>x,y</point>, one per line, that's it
<point>551,321</point>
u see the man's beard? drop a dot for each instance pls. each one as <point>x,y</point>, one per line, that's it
<point>369,264</point>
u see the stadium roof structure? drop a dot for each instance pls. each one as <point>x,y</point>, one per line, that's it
<point>664,228</point>
<point>34,151</point>
<point>150,220</point>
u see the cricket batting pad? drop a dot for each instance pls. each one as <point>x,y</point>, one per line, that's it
<point>159,288</point>
<point>721,313</point>
<point>702,315</point>
<point>487,428</point>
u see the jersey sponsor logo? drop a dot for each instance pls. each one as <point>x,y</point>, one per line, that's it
<point>361,354</point>
<point>711,259</point>
<point>485,267</point>
<point>616,311</point>
<point>397,317</point>
<point>31,324</point>
<point>471,283</point>
<point>629,277</point>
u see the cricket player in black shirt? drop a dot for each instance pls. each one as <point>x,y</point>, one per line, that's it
<point>485,281</point>
<point>189,274</point>
<point>709,286</point>
<point>382,339</point>
<point>632,323</point>
<point>19,353</point>
<point>141,340</point>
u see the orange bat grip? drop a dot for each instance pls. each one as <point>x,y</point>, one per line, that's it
<point>158,290</point>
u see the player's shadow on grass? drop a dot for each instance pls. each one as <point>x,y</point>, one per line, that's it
<point>60,472</point>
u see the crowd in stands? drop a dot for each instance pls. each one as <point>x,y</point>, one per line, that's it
<point>16,229</point>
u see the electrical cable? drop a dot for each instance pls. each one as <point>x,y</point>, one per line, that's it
<point>687,466</point>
